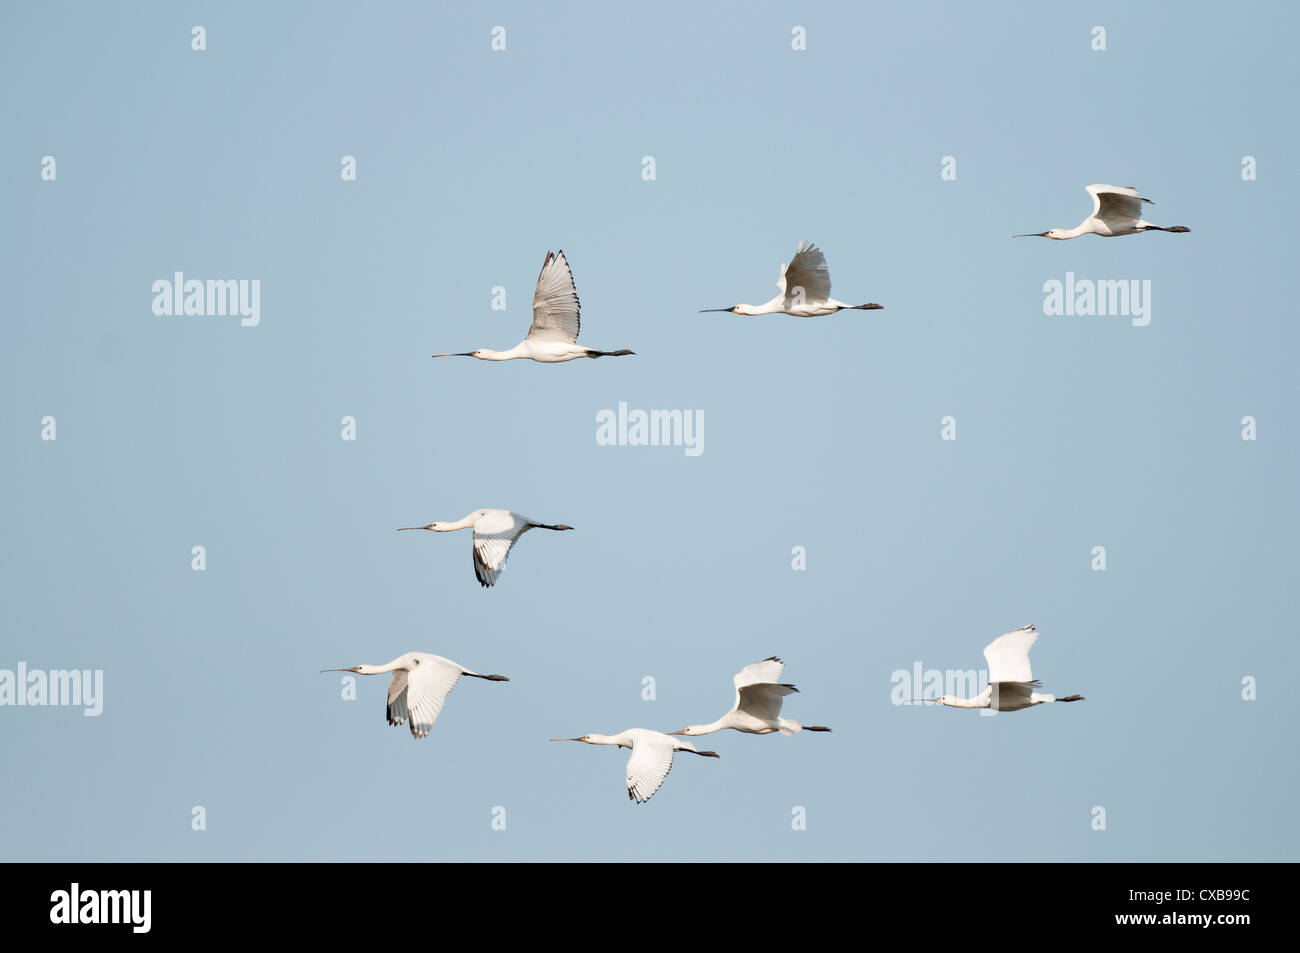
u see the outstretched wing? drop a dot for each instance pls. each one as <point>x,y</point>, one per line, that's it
<point>494,537</point>
<point>397,697</point>
<point>1116,204</point>
<point>1008,655</point>
<point>757,691</point>
<point>427,688</point>
<point>768,670</point>
<point>752,683</point>
<point>807,270</point>
<point>652,759</point>
<point>555,302</point>
<point>763,700</point>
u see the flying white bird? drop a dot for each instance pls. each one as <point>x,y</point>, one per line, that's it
<point>1011,684</point>
<point>1116,210</point>
<point>805,286</point>
<point>651,760</point>
<point>421,683</point>
<point>495,534</point>
<point>757,708</point>
<point>553,336</point>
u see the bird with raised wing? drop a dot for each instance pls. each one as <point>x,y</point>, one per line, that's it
<point>1011,684</point>
<point>553,337</point>
<point>1116,210</point>
<point>757,708</point>
<point>495,534</point>
<point>420,685</point>
<point>805,286</point>
<point>651,760</point>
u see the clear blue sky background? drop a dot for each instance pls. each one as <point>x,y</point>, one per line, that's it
<point>824,433</point>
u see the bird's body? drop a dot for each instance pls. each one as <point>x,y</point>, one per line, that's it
<point>757,707</point>
<point>1011,683</point>
<point>553,336</point>
<point>420,684</point>
<point>1116,210</point>
<point>495,534</point>
<point>805,289</point>
<point>651,759</point>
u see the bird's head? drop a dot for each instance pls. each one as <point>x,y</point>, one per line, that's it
<point>689,730</point>
<point>585,738</point>
<point>357,669</point>
<point>431,526</point>
<point>1056,233</point>
<point>944,699</point>
<point>734,309</point>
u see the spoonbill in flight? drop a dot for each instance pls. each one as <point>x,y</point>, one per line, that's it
<point>1116,210</point>
<point>757,708</point>
<point>1011,685</point>
<point>553,336</point>
<point>651,760</point>
<point>421,683</point>
<point>495,534</point>
<point>805,286</point>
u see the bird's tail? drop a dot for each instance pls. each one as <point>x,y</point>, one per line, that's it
<point>621,353</point>
<point>868,307</point>
<point>1071,698</point>
<point>788,726</point>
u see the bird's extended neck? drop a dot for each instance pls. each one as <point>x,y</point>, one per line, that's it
<point>719,725</point>
<point>402,661</point>
<point>775,306</point>
<point>487,354</point>
<point>983,700</point>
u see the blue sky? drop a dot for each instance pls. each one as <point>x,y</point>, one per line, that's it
<point>1072,432</point>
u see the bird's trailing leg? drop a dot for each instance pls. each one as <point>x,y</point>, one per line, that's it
<point>621,353</point>
<point>1171,228</point>
<point>868,307</point>
<point>815,728</point>
<point>1071,698</point>
<point>702,754</point>
<point>490,678</point>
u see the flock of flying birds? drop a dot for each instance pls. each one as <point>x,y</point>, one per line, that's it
<point>421,682</point>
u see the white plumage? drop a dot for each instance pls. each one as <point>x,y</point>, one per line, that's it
<point>757,705</point>
<point>1011,683</point>
<point>651,758</point>
<point>805,289</point>
<point>553,335</point>
<point>1116,210</point>
<point>419,687</point>
<point>495,534</point>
